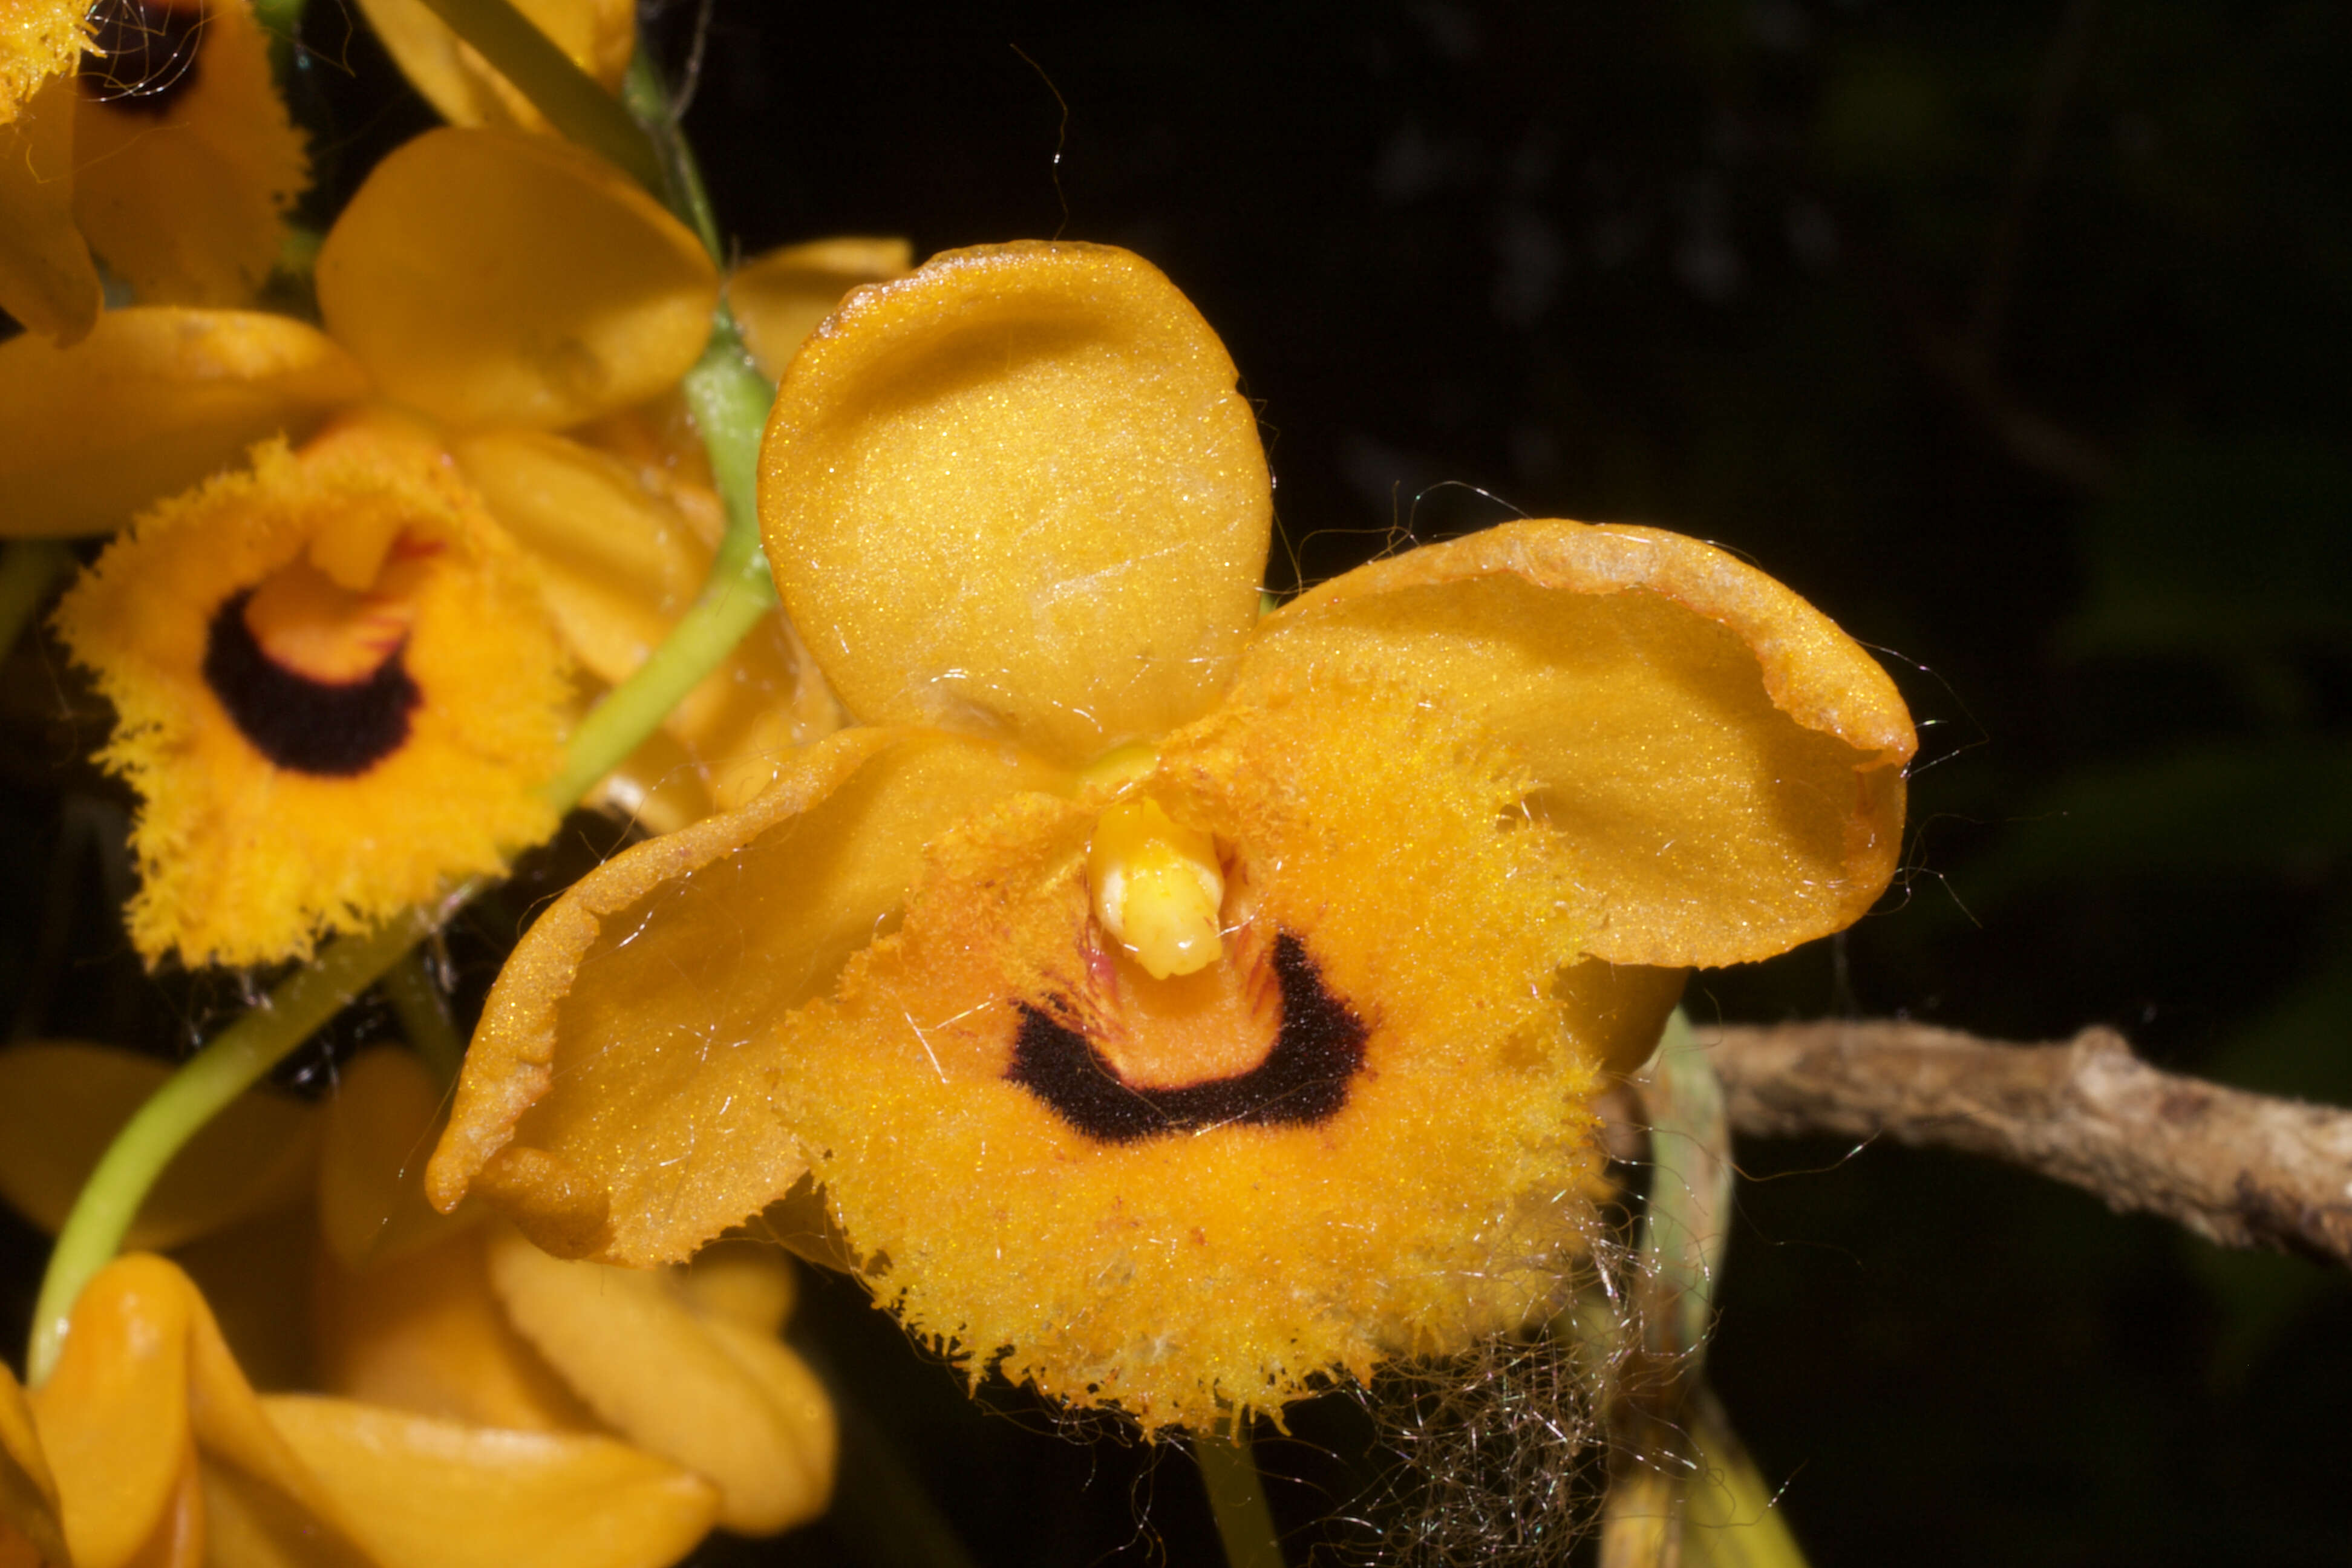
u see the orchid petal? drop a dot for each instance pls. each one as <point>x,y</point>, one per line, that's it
<point>47,280</point>
<point>426,1334</point>
<point>182,185</point>
<point>779,299</point>
<point>615,1100</point>
<point>730,1403</point>
<point>488,278</point>
<point>30,1518</point>
<point>62,1102</point>
<point>380,1128</point>
<point>1018,494</point>
<point>600,37</point>
<point>424,1493</point>
<point>154,400</point>
<point>114,1419</point>
<point>1722,765</point>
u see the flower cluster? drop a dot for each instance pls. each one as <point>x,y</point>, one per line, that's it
<point>1172,1004</point>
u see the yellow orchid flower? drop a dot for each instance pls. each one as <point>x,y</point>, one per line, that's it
<point>479,279</point>
<point>335,690</point>
<point>478,1401</point>
<point>333,672</point>
<point>169,153</point>
<point>1175,1007</point>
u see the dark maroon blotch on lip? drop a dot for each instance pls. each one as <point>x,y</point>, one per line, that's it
<point>329,729</point>
<point>1304,1079</point>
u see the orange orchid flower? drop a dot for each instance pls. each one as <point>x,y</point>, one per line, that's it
<point>1175,1007</point>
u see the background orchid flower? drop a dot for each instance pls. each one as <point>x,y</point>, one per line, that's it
<point>165,149</point>
<point>336,681</point>
<point>335,691</point>
<point>495,1386</point>
<point>1175,1007</point>
<point>479,279</point>
<point>598,36</point>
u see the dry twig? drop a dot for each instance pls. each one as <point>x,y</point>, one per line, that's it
<point>2245,1170</point>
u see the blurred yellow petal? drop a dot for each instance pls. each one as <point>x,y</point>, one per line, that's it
<point>1046,441</point>
<point>322,765</point>
<point>426,1334</point>
<point>47,280</point>
<point>747,1283</point>
<point>487,277</point>
<point>423,1493</point>
<point>250,1524</point>
<point>779,298</point>
<point>1722,765</point>
<point>727,1402</point>
<point>599,35</point>
<point>381,1124</point>
<point>32,1528</point>
<point>618,561</point>
<point>615,1101</point>
<point>152,401</point>
<point>113,1418</point>
<point>61,1103</point>
<point>616,565</point>
<point>186,163</point>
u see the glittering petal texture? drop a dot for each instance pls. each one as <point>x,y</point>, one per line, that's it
<point>40,41</point>
<point>155,399</point>
<point>1017,493</point>
<point>248,853</point>
<point>488,278</point>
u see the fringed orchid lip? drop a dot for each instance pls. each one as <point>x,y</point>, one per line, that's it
<point>335,688</point>
<point>1262,1046</point>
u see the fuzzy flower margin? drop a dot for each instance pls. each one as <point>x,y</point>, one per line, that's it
<point>279,807</point>
<point>1472,811</point>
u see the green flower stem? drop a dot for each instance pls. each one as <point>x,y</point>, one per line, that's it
<point>28,569</point>
<point>729,402</point>
<point>571,99</point>
<point>1682,1492</point>
<point>235,1059</point>
<point>1237,1500</point>
<point>647,102</point>
<point>1690,1195</point>
<point>730,605</point>
<point>425,1016</point>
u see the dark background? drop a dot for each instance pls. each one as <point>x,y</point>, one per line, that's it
<point>2014,336</point>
